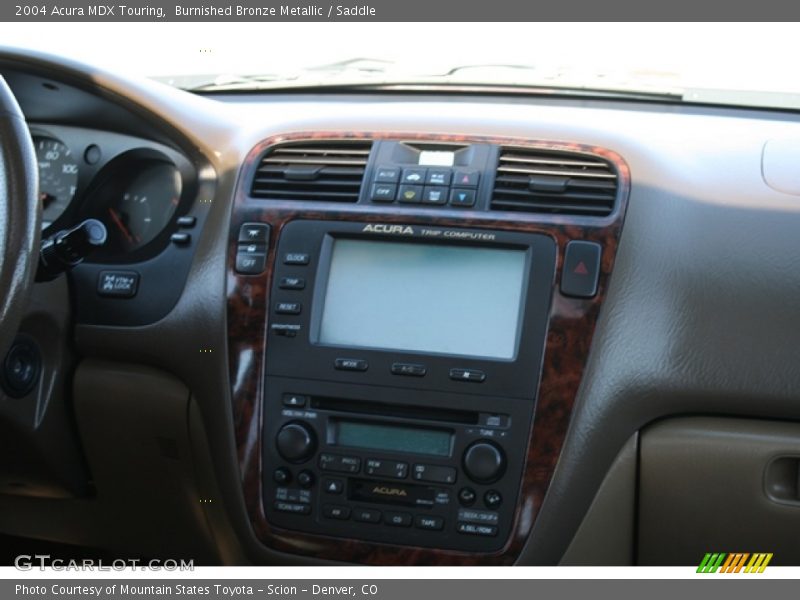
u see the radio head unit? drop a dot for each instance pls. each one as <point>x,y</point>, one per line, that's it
<point>411,306</point>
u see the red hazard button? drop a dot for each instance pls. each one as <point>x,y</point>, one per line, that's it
<point>581,269</point>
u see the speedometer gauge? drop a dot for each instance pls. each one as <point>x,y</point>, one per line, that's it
<point>58,177</point>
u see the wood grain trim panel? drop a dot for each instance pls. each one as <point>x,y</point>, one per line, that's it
<point>571,326</point>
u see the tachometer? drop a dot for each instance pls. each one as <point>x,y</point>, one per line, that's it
<point>58,177</point>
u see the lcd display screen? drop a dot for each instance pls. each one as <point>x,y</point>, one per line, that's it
<point>457,300</point>
<point>392,438</point>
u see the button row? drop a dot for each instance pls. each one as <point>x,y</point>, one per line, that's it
<point>427,176</point>
<point>410,369</point>
<point>251,252</point>
<point>417,194</point>
<point>419,185</point>
<point>385,468</point>
<point>389,517</point>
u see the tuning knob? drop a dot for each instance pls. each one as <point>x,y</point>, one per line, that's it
<point>296,442</point>
<point>484,461</point>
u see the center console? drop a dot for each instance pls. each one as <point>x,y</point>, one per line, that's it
<point>399,387</point>
<point>403,366</point>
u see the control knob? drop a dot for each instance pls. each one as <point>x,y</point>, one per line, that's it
<point>484,461</point>
<point>296,442</point>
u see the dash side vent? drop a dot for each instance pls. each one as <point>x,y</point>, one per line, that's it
<point>328,171</point>
<point>555,182</point>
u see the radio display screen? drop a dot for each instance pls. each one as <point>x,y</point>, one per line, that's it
<point>441,299</point>
<point>391,438</point>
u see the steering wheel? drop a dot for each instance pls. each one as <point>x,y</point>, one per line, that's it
<point>20,216</point>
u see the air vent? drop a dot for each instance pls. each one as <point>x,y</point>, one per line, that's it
<point>328,171</point>
<point>542,181</point>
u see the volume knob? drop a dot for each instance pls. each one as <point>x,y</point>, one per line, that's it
<point>296,442</point>
<point>484,461</point>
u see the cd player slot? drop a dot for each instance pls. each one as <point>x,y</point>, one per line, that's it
<point>446,415</point>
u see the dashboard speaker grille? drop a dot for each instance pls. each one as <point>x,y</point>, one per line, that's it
<point>544,181</point>
<point>329,171</point>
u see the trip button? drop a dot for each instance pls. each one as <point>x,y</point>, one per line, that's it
<point>434,474</point>
<point>383,192</point>
<point>350,364</point>
<point>471,375</point>
<point>462,198</point>
<point>288,308</point>
<point>410,369</point>
<point>581,269</point>
<point>397,519</point>
<point>431,523</point>
<point>292,283</point>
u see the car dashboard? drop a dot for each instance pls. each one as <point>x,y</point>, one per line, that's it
<point>439,328</point>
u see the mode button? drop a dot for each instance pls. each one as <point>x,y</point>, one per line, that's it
<point>350,364</point>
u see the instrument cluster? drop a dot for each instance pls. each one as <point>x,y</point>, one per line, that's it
<point>137,188</point>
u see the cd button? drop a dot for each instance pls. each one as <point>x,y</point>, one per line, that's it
<point>397,519</point>
<point>350,364</point>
